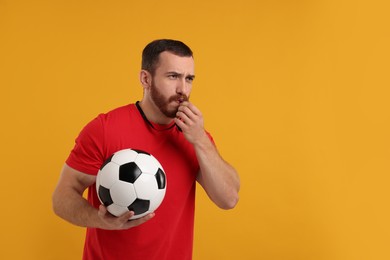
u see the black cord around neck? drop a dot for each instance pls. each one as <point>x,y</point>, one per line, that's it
<point>147,120</point>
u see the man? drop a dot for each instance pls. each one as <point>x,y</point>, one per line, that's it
<point>166,124</point>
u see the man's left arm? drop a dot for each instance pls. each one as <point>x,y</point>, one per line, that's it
<point>218,178</point>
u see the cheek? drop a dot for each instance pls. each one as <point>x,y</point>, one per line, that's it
<point>167,88</point>
<point>160,91</point>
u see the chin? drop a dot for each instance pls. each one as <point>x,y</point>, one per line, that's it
<point>170,113</point>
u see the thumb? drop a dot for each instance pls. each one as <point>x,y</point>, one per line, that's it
<point>102,211</point>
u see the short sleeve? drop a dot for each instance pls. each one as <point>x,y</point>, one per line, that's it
<point>87,154</point>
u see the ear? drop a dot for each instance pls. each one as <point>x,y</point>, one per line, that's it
<point>145,78</point>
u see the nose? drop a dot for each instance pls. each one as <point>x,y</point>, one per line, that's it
<point>183,87</point>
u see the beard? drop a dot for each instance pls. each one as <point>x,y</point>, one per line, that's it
<point>163,103</point>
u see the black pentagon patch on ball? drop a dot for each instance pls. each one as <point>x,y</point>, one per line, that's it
<point>106,161</point>
<point>105,196</point>
<point>139,206</point>
<point>129,172</point>
<point>160,178</point>
<point>140,151</point>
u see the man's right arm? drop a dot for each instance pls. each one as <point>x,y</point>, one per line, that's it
<point>69,204</point>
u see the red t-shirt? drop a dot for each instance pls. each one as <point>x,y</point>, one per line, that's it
<point>169,235</point>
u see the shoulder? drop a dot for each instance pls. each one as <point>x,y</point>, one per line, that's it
<point>119,111</point>
<point>115,115</point>
<point>97,126</point>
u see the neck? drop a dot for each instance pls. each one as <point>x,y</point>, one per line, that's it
<point>153,113</point>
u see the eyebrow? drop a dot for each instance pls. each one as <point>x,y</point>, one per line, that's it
<point>179,74</point>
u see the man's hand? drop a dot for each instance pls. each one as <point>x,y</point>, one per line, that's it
<point>190,120</point>
<point>122,222</point>
<point>69,204</point>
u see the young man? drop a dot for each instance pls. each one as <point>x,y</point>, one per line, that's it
<point>167,125</point>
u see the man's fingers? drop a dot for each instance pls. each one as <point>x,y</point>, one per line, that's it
<point>139,221</point>
<point>188,107</point>
<point>126,216</point>
<point>183,116</point>
<point>102,211</point>
<point>123,221</point>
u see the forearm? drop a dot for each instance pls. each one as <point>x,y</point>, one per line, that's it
<point>219,179</point>
<point>74,208</point>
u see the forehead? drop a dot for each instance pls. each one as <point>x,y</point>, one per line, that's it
<point>171,62</point>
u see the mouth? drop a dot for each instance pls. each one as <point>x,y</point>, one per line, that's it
<point>179,99</point>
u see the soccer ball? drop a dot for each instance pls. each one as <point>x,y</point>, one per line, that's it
<point>131,180</point>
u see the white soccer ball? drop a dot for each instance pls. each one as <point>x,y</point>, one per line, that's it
<point>131,180</point>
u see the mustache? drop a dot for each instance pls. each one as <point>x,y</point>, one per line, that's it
<point>180,98</point>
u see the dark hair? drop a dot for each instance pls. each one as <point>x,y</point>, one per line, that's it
<point>150,54</point>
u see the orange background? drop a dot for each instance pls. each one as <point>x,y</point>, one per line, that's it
<point>295,93</point>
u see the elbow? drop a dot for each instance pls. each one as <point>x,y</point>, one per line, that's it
<point>230,202</point>
<point>56,205</point>
<point>231,198</point>
<point>233,202</point>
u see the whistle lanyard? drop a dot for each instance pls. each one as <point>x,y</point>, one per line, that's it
<point>147,121</point>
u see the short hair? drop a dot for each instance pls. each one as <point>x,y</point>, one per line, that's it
<point>151,53</point>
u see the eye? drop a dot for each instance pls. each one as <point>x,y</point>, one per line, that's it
<point>173,76</point>
<point>190,79</point>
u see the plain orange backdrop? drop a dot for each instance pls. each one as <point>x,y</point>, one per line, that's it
<point>295,93</point>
